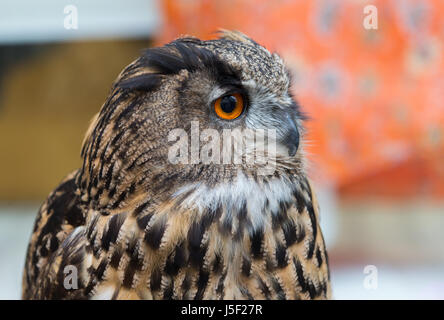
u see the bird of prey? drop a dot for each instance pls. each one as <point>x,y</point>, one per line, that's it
<point>133,223</point>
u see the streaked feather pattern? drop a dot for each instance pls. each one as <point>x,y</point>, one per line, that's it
<point>138,227</point>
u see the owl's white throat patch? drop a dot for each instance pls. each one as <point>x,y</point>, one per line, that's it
<point>260,198</point>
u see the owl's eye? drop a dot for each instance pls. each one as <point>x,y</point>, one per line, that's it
<point>229,107</point>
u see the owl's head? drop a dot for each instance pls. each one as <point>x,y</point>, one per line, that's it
<point>172,113</point>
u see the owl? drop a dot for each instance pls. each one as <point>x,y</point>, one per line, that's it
<point>160,209</point>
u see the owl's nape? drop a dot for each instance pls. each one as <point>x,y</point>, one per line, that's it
<point>137,225</point>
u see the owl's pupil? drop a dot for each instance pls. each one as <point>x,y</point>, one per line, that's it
<point>228,104</point>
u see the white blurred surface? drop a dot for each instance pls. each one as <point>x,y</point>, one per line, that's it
<point>15,230</point>
<point>394,282</point>
<point>43,20</point>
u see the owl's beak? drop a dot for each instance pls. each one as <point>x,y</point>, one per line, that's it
<point>291,139</point>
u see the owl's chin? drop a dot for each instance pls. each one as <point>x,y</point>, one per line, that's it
<point>243,189</point>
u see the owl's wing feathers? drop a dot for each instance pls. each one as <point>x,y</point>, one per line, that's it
<point>53,243</point>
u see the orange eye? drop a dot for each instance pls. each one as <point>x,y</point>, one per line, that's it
<point>229,107</point>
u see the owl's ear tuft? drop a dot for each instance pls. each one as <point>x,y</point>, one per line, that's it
<point>185,54</point>
<point>235,35</point>
<point>148,71</point>
<point>143,82</point>
<point>182,54</point>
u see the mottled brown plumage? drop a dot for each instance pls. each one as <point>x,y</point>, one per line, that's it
<point>137,226</point>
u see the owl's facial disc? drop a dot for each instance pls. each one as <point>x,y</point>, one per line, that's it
<point>276,111</point>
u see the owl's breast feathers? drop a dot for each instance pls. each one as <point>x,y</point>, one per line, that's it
<point>174,250</point>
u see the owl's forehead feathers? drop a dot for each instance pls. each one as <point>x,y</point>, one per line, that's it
<point>255,62</point>
<point>233,57</point>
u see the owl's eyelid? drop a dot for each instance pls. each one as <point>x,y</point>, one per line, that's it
<point>231,91</point>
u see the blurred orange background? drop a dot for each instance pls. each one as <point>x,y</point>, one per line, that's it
<point>375,97</point>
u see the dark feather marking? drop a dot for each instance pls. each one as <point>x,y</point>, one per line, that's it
<point>114,141</point>
<point>133,250</point>
<point>142,222</point>
<point>202,282</point>
<point>226,224</point>
<point>281,256</point>
<point>112,192</point>
<point>119,200</point>
<point>289,230</point>
<point>186,285</point>
<point>217,263</point>
<point>278,218</point>
<point>264,288</point>
<point>115,258</point>
<point>92,226</point>
<point>98,194</point>
<point>243,211</point>
<point>314,228</point>
<point>129,273</point>
<point>168,292</point>
<point>220,285</point>
<point>114,225</point>
<point>43,251</point>
<point>300,274</point>
<point>165,181</point>
<point>104,116</point>
<point>144,82</point>
<point>244,291</point>
<point>134,162</point>
<point>100,271</point>
<point>109,176</point>
<point>300,201</point>
<point>96,247</point>
<point>53,244</point>
<point>242,217</point>
<point>324,288</point>
<point>155,280</point>
<point>132,189</point>
<point>326,261</point>
<point>92,283</point>
<point>278,289</point>
<point>126,112</point>
<point>246,267</point>
<point>154,235</point>
<point>195,247</point>
<point>319,257</point>
<point>115,294</point>
<point>256,243</point>
<point>209,217</point>
<point>173,265</point>
<point>312,290</point>
<point>102,159</point>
